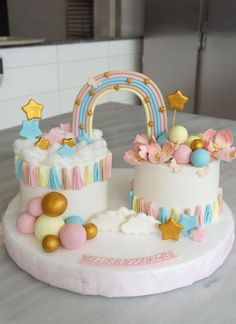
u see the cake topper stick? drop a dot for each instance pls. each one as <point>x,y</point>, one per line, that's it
<point>176,101</point>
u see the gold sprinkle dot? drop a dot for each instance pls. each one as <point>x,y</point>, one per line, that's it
<point>117,87</point>
<point>91,93</point>
<point>150,123</point>
<point>77,101</point>
<point>129,80</point>
<point>90,113</point>
<point>81,126</point>
<point>147,99</point>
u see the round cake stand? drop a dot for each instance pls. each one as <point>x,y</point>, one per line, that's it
<point>115,264</point>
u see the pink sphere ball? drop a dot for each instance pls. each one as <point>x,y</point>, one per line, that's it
<point>34,207</point>
<point>183,154</point>
<point>25,223</point>
<point>72,236</point>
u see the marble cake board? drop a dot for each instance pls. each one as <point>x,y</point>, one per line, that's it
<point>64,269</point>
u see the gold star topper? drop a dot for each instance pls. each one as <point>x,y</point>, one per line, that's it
<point>33,110</point>
<point>171,230</point>
<point>177,100</point>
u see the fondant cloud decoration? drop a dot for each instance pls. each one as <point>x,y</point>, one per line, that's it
<point>126,221</point>
<point>140,223</point>
<point>111,220</point>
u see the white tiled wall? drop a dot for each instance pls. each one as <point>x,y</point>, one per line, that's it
<point>53,75</point>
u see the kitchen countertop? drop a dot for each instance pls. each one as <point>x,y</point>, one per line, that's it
<point>25,300</point>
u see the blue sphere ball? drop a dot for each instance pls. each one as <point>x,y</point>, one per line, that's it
<point>74,220</point>
<point>162,138</point>
<point>200,158</point>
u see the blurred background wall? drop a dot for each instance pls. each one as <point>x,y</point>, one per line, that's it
<point>183,44</point>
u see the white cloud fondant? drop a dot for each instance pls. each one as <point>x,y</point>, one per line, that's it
<point>111,220</point>
<point>140,223</point>
<point>126,221</point>
<point>83,153</point>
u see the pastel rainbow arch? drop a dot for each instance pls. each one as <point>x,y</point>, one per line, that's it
<point>137,83</point>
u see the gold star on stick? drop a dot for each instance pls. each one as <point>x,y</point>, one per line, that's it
<point>171,230</point>
<point>177,101</point>
<point>42,143</point>
<point>69,141</point>
<point>33,110</point>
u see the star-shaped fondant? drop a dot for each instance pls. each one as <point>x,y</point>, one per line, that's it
<point>33,110</point>
<point>177,100</point>
<point>198,234</point>
<point>189,223</point>
<point>30,129</point>
<point>53,136</point>
<point>171,230</point>
<point>66,150</point>
<point>42,143</point>
<point>69,141</point>
<point>65,127</point>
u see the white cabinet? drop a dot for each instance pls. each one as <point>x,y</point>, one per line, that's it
<point>53,75</point>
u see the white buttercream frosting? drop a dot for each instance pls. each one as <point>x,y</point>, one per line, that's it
<point>83,152</point>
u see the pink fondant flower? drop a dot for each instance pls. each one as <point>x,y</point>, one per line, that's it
<point>158,154</point>
<point>142,139</point>
<point>132,157</point>
<point>219,144</point>
<point>208,137</point>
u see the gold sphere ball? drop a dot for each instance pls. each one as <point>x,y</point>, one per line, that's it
<point>50,243</point>
<point>91,230</point>
<point>54,204</point>
<point>197,144</point>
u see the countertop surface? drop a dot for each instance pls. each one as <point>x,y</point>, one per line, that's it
<point>25,300</point>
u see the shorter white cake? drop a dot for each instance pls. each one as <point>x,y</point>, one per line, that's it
<point>188,188</point>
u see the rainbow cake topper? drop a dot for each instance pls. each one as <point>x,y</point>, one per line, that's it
<point>134,82</point>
